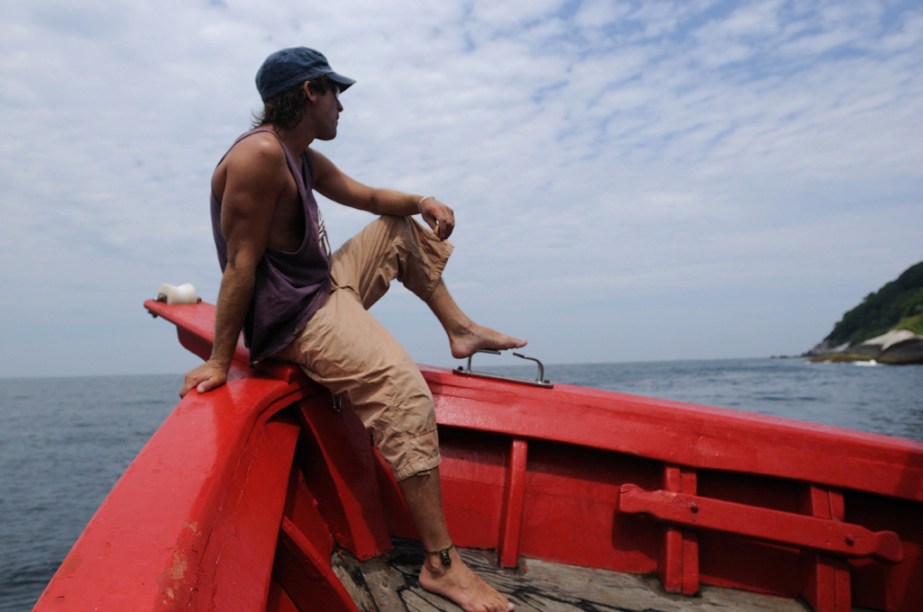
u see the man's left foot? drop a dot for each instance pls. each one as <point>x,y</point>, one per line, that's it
<point>459,584</point>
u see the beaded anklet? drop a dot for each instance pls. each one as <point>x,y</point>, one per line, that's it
<point>444,557</point>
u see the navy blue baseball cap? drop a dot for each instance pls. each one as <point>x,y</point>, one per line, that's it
<point>288,68</point>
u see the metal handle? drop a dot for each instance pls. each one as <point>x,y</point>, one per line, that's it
<point>540,380</point>
<point>541,367</point>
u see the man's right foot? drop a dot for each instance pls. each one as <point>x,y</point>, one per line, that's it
<point>476,337</point>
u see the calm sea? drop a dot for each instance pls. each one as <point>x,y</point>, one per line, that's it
<point>65,441</point>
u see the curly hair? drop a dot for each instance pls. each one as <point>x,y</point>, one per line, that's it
<point>287,109</point>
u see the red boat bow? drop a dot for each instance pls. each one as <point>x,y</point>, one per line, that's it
<point>242,496</point>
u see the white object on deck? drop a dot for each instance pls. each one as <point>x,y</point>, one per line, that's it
<point>183,294</point>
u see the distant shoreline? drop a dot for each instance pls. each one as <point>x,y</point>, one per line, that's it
<point>897,347</point>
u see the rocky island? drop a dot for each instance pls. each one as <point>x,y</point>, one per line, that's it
<point>887,327</point>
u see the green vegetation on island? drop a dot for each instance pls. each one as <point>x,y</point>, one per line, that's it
<point>886,326</point>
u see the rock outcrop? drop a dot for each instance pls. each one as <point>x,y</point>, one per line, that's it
<point>898,347</point>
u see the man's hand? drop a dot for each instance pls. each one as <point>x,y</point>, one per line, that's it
<point>438,216</point>
<point>210,375</point>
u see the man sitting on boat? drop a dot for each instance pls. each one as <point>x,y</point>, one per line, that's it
<point>297,301</point>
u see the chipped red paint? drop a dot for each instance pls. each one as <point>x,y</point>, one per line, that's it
<point>244,493</point>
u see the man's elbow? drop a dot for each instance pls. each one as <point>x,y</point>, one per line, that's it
<point>240,271</point>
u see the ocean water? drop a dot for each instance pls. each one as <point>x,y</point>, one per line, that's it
<point>63,444</point>
<point>65,441</point>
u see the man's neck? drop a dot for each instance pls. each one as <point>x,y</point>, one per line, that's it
<point>297,139</point>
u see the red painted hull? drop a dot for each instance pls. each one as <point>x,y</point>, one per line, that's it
<point>239,499</point>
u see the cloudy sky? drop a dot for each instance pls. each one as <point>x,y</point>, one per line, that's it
<point>632,180</point>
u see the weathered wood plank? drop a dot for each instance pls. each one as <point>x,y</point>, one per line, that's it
<point>391,584</point>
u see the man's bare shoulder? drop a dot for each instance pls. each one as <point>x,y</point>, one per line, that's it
<point>255,164</point>
<point>321,166</point>
<point>260,147</point>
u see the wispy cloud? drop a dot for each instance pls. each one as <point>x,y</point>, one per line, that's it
<point>600,156</point>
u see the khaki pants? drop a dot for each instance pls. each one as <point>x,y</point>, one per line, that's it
<point>345,349</point>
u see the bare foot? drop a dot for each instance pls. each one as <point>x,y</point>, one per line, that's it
<point>474,337</point>
<point>459,584</point>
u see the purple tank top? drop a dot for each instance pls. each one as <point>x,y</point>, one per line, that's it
<point>290,286</point>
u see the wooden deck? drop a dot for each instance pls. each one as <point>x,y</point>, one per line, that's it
<point>390,583</point>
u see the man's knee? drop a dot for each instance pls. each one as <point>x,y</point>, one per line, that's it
<point>390,225</point>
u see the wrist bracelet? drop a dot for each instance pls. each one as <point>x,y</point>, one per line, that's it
<point>423,199</point>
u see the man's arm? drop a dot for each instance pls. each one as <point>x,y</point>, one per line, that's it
<point>256,177</point>
<point>339,187</point>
